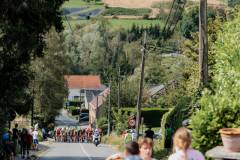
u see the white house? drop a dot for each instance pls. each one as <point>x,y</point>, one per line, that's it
<point>84,87</point>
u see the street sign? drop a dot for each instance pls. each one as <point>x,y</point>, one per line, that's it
<point>131,122</point>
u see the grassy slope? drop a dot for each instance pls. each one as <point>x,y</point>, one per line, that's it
<point>80,3</point>
<point>116,23</point>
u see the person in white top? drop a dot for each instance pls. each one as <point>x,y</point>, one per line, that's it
<point>35,139</point>
<point>182,147</point>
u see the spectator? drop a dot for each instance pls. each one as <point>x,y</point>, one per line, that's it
<point>28,143</point>
<point>169,134</point>
<point>15,138</point>
<point>134,135</point>
<point>23,142</point>
<point>182,146</point>
<point>132,151</point>
<point>146,148</point>
<point>149,133</point>
<point>44,134</point>
<point>35,139</point>
<point>8,145</point>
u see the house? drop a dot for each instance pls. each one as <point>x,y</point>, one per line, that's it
<point>83,88</point>
<point>158,90</point>
<point>95,106</point>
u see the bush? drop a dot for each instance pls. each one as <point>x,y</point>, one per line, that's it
<point>84,110</point>
<point>126,11</point>
<point>173,119</point>
<point>74,110</point>
<point>103,124</point>
<point>152,116</point>
<point>120,119</point>
<point>220,108</point>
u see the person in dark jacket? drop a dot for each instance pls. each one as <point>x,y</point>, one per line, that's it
<point>23,142</point>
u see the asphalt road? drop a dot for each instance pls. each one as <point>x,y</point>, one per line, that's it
<point>63,120</point>
<point>77,151</point>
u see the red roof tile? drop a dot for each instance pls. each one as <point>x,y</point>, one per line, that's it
<point>83,82</point>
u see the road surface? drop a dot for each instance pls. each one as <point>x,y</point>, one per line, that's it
<point>77,151</point>
<point>63,120</point>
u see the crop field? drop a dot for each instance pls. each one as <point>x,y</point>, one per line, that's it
<point>127,23</point>
<point>147,3</point>
<point>129,12</point>
<point>126,11</point>
<point>81,10</point>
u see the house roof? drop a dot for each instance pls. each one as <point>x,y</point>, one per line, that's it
<point>156,89</point>
<point>83,81</point>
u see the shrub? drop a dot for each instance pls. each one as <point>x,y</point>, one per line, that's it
<point>74,110</point>
<point>84,110</point>
<point>152,116</point>
<point>120,119</point>
<point>173,119</point>
<point>103,124</point>
<point>126,11</point>
<point>220,108</point>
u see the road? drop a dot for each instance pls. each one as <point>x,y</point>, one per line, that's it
<point>63,120</point>
<point>77,151</point>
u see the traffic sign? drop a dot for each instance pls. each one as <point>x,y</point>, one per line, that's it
<point>132,122</point>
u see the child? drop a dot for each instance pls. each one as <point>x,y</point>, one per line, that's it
<point>182,147</point>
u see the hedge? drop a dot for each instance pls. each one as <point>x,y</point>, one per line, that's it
<point>152,116</point>
<point>164,121</point>
<point>126,11</point>
<point>75,111</point>
<point>174,117</point>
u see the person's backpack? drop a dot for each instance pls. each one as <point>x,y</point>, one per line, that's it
<point>6,137</point>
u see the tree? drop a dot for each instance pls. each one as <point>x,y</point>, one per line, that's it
<point>23,25</point>
<point>49,84</point>
<point>96,50</point>
<point>220,105</point>
<point>190,21</point>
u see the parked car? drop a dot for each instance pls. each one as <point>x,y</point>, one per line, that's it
<point>84,117</point>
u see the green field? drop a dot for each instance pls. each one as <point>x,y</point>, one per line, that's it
<point>126,11</point>
<point>127,23</point>
<point>80,3</point>
<point>115,23</point>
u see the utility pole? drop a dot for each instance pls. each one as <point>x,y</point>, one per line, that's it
<point>203,44</point>
<point>96,113</point>
<point>141,85</point>
<point>119,71</point>
<point>32,107</point>
<point>109,109</point>
<point>80,105</point>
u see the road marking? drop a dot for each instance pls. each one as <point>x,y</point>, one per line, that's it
<point>85,152</point>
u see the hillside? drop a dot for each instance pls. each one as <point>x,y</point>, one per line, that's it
<point>146,3</point>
